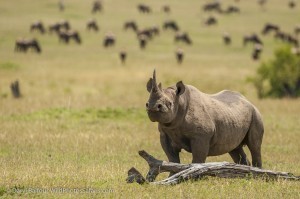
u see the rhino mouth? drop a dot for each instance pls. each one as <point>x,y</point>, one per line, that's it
<point>156,116</point>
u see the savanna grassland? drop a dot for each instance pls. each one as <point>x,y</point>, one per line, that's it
<point>82,119</point>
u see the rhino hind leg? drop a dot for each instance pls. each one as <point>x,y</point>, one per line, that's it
<point>239,156</point>
<point>254,139</point>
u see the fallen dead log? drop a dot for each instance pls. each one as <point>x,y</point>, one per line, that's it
<point>184,172</point>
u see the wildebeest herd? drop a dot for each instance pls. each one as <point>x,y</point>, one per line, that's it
<point>145,35</point>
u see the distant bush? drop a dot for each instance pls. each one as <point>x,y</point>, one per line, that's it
<point>279,77</point>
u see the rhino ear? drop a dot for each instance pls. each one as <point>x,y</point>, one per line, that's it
<point>180,88</point>
<point>149,85</point>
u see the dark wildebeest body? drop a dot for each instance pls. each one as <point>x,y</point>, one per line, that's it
<point>22,45</point>
<point>270,28</point>
<point>257,51</point>
<point>203,124</point>
<point>15,89</point>
<point>109,40</point>
<point>123,56</point>
<point>286,37</point>
<point>231,9</point>
<point>172,25</point>
<point>38,26</point>
<point>211,21</point>
<point>166,9</point>
<point>214,6</point>
<point>144,8</point>
<point>68,35</point>
<point>292,4</point>
<point>252,39</point>
<point>131,25</point>
<point>92,25</point>
<point>226,39</point>
<point>179,55</point>
<point>183,37</point>
<point>97,6</point>
<point>60,26</point>
<point>142,41</point>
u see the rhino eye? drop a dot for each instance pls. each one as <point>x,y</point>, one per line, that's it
<point>159,106</point>
<point>147,104</point>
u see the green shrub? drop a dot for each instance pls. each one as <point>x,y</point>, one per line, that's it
<point>279,77</point>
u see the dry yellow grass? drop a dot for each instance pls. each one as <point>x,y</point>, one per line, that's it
<point>81,120</point>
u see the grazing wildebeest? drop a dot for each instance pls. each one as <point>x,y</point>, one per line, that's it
<point>286,37</point>
<point>210,21</point>
<point>37,26</point>
<point>231,9</point>
<point>205,124</point>
<point>66,36</point>
<point>131,25</point>
<point>147,32</point>
<point>214,6</point>
<point>97,6</point>
<point>57,27</point>
<point>15,89</point>
<point>109,40</point>
<point>270,28</point>
<point>142,41</point>
<point>123,56</point>
<point>184,37</point>
<point>253,38</point>
<point>257,51</point>
<point>226,38</point>
<point>144,8</point>
<point>170,24</point>
<point>166,9</point>
<point>22,45</point>
<point>179,55</point>
<point>92,25</point>
<point>292,4</point>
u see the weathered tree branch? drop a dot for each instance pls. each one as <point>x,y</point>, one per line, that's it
<point>183,172</point>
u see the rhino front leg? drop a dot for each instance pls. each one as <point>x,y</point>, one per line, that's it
<point>171,152</point>
<point>200,149</point>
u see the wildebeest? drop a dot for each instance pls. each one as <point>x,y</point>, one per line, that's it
<point>231,9</point>
<point>292,4</point>
<point>109,40</point>
<point>142,41</point>
<point>59,26</point>
<point>92,25</point>
<point>214,6</point>
<point>170,24</point>
<point>144,8</point>
<point>253,38</point>
<point>210,21</point>
<point>257,51</point>
<point>15,89</point>
<point>66,36</point>
<point>149,33</point>
<point>286,37</point>
<point>166,9</point>
<point>179,55</point>
<point>226,38</point>
<point>97,6</point>
<point>131,25</point>
<point>123,56</point>
<point>270,28</point>
<point>22,45</point>
<point>183,37</point>
<point>37,26</point>
<point>205,124</point>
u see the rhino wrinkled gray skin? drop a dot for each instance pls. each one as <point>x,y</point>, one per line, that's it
<point>203,124</point>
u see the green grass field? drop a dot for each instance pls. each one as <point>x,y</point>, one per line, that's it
<point>82,119</point>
